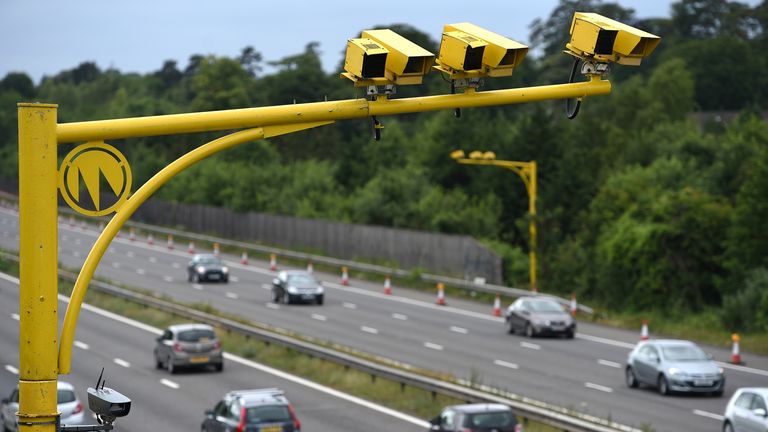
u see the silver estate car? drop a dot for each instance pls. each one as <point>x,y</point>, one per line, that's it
<point>747,411</point>
<point>183,345</point>
<point>674,366</point>
<point>68,404</point>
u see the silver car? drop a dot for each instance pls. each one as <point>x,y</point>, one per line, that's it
<point>747,411</point>
<point>674,366</point>
<point>68,405</point>
<point>184,345</point>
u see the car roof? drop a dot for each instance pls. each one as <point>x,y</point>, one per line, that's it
<point>480,408</point>
<point>759,390</point>
<point>189,326</point>
<point>265,396</point>
<point>297,272</point>
<point>205,256</point>
<point>671,342</point>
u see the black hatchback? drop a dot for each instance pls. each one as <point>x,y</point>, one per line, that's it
<point>263,410</point>
<point>207,267</point>
<point>476,418</point>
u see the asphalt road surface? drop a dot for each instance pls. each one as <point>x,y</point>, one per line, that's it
<point>164,402</point>
<point>464,339</point>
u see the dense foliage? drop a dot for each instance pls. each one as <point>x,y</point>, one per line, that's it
<point>641,204</point>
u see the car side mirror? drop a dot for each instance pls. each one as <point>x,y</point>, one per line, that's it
<point>760,412</point>
<point>276,281</point>
<point>5,401</point>
<point>209,413</point>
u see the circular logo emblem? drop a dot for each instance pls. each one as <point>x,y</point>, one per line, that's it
<point>83,172</point>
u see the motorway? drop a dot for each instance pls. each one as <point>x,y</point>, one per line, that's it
<point>163,402</point>
<point>584,374</point>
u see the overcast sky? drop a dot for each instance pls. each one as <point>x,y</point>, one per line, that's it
<point>44,37</point>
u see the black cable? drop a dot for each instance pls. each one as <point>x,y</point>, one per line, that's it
<point>568,113</point>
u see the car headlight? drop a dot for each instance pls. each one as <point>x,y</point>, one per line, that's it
<point>200,269</point>
<point>320,289</point>
<point>292,289</point>
<point>225,269</point>
<point>675,372</point>
<point>721,370</point>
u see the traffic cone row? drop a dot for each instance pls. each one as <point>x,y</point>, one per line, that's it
<point>344,276</point>
<point>441,294</point>
<point>150,239</point>
<point>191,248</point>
<point>644,330</point>
<point>273,262</point>
<point>244,258</point>
<point>574,305</point>
<point>387,285</point>
<point>497,306</point>
<point>310,268</point>
<point>735,354</point>
<point>132,234</point>
<point>71,221</point>
<point>169,243</point>
<point>216,249</point>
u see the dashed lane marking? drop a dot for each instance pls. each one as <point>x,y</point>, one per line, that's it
<point>319,317</point>
<point>400,317</point>
<point>609,363</point>
<point>460,330</point>
<point>15,316</point>
<point>197,287</point>
<point>141,271</point>
<point>122,363</point>
<point>599,387</point>
<point>273,306</point>
<point>529,345</point>
<point>231,295</point>
<point>167,278</point>
<point>175,265</point>
<point>76,254</point>
<point>234,279</point>
<point>434,346</point>
<point>266,286</point>
<point>708,414</point>
<point>116,265</point>
<point>506,364</point>
<point>81,345</point>
<point>349,305</point>
<point>152,259</point>
<point>129,254</point>
<point>12,369</point>
<point>370,330</point>
<point>169,383</point>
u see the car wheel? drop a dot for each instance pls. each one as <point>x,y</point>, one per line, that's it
<point>663,385</point>
<point>570,334</point>
<point>196,278</point>
<point>631,379</point>
<point>718,393</point>
<point>158,363</point>
<point>219,367</point>
<point>510,327</point>
<point>727,427</point>
<point>190,276</point>
<point>529,332</point>
<point>170,366</point>
<point>225,279</point>
<point>286,298</point>
<point>275,296</point>
<point>319,300</point>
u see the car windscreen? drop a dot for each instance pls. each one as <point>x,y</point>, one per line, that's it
<point>64,396</point>
<point>301,279</point>
<point>197,335</point>
<point>267,414</point>
<point>545,306</point>
<point>683,353</point>
<point>499,419</point>
<point>210,261</point>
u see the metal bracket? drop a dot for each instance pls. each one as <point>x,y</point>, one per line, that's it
<point>595,68</point>
<point>86,428</point>
<point>388,89</point>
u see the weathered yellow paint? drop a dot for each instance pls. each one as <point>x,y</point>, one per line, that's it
<point>38,301</point>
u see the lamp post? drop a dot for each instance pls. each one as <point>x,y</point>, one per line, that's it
<point>527,172</point>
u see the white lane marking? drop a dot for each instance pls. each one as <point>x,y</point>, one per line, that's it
<point>266,286</point>
<point>167,278</point>
<point>231,295</point>
<point>529,345</point>
<point>65,238</point>
<point>506,364</point>
<point>12,369</point>
<point>708,414</point>
<point>273,306</point>
<point>609,363</point>
<point>116,265</point>
<point>252,364</point>
<point>78,241</point>
<point>433,346</point>
<point>15,316</point>
<point>319,317</point>
<point>400,317</point>
<point>461,330</point>
<point>129,254</point>
<point>605,341</point>
<point>141,271</point>
<point>76,254</point>
<point>175,265</point>
<point>169,383</point>
<point>152,259</point>
<point>349,305</point>
<point>197,287</point>
<point>122,363</point>
<point>370,330</point>
<point>81,345</point>
<point>599,387</point>
<point>234,279</point>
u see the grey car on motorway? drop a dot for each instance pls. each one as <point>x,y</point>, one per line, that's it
<point>747,411</point>
<point>67,404</point>
<point>185,345</point>
<point>207,267</point>
<point>297,285</point>
<point>479,417</point>
<point>674,366</point>
<point>537,316</point>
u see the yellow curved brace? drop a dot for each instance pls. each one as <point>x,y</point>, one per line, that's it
<point>133,203</point>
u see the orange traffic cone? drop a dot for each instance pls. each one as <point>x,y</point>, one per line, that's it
<point>191,248</point>
<point>82,225</point>
<point>310,268</point>
<point>644,330</point>
<point>273,262</point>
<point>344,276</point>
<point>169,243</point>
<point>574,305</point>
<point>497,306</point>
<point>440,294</point>
<point>244,258</point>
<point>132,234</point>
<point>71,221</point>
<point>735,354</point>
<point>216,249</point>
<point>150,240</point>
<point>387,285</point>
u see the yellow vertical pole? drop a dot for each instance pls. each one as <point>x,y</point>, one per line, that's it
<point>38,302</point>
<point>532,224</point>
